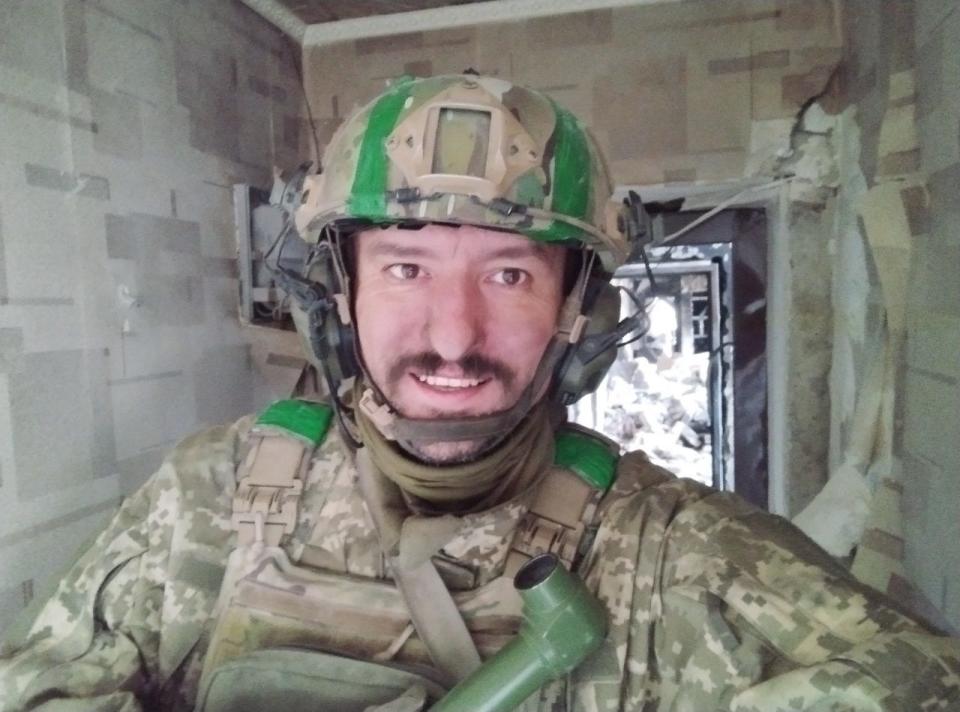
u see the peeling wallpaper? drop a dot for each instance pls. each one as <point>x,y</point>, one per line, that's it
<point>125,124</point>
<point>897,299</point>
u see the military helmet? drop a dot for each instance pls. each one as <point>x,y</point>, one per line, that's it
<point>466,149</point>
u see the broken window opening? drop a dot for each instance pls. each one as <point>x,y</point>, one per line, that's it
<point>666,393</point>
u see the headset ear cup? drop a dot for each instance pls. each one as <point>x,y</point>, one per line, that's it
<point>328,341</point>
<point>581,370</point>
<point>340,353</point>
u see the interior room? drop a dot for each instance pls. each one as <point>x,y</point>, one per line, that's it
<point>800,161</point>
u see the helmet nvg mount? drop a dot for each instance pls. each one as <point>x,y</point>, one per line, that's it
<point>465,149</point>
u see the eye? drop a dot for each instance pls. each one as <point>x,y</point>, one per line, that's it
<point>510,277</point>
<point>404,271</point>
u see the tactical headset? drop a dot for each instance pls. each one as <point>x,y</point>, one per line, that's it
<point>323,315</point>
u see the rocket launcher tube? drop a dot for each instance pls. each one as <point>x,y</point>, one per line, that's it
<point>562,624</point>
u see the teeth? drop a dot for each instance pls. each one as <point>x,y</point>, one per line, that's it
<point>450,382</point>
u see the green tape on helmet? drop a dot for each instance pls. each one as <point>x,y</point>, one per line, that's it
<point>368,193</point>
<point>463,149</point>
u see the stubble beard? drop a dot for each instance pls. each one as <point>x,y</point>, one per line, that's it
<point>458,452</point>
<point>455,452</point>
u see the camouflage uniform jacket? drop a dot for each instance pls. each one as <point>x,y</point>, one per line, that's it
<point>713,604</point>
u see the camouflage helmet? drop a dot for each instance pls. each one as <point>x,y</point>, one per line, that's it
<point>467,149</point>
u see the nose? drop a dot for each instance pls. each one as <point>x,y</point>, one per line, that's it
<point>455,326</point>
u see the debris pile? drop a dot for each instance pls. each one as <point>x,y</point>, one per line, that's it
<point>656,400</point>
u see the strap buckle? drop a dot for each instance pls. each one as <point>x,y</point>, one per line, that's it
<point>272,508</point>
<point>379,415</point>
<point>267,498</point>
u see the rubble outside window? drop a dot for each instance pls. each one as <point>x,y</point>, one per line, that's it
<point>661,394</point>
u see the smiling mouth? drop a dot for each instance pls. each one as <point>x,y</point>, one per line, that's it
<point>447,383</point>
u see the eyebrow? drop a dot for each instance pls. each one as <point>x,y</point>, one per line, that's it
<point>529,248</point>
<point>526,249</point>
<point>390,249</point>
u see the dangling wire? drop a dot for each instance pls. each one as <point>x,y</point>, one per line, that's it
<point>281,237</point>
<point>297,286</point>
<point>723,205</point>
<point>654,290</point>
<point>643,326</point>
<point>634,221</point>
<point>280,273</point>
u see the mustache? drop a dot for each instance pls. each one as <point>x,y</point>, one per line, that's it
<point>472,366</point>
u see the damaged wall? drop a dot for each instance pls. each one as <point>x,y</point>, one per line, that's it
<point>894,385</point>
<point>927,441</point>
<point>125,122</point>
<point>676,93</point>
<point>907,90</point>
<point>931,388</point>
<point>810,349</point>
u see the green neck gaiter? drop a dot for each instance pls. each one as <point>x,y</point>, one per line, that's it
<point>513,467</point>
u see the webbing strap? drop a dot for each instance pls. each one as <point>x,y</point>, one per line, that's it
<point>437,620</point>
<point>433,611</point>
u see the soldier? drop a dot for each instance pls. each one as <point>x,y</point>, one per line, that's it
<point>456,296</point>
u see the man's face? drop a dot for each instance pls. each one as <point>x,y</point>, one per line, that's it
<point>453,321</point>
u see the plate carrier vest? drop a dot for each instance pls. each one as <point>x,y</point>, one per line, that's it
<point>331,621</point>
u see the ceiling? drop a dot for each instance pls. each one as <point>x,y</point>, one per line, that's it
<point>313,23</point>
<point>313,12</point>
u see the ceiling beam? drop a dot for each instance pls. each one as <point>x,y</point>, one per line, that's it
<point>440,18</point>
<point>481,13</point>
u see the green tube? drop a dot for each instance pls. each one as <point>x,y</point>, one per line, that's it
<point>562,624</point>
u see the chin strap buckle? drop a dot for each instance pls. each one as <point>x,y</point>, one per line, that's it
<point>380,415</point>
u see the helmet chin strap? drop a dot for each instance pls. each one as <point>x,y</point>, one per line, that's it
<point>396,427</point>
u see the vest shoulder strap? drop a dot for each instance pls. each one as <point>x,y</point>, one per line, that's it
<point>271,475</point>
<point>561,519</point>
